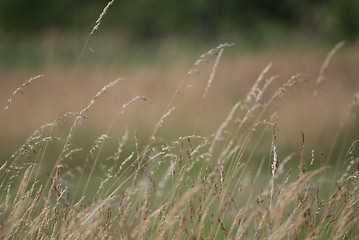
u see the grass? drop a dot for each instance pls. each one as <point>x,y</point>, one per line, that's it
<point>232,184</point>
<point>140,173</point>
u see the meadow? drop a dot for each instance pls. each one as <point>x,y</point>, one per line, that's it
<point>195,157</point>
<point>228,145</point>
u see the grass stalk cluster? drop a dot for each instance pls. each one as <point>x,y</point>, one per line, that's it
<point>220,186</point>
<point>196,187</point>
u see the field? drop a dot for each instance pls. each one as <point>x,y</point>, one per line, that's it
<point>231,144</point>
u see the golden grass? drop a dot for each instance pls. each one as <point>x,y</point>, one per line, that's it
<point>177,170</point>
<point>171,180</point>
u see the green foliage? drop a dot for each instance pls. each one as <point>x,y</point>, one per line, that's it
<point>143,19</point>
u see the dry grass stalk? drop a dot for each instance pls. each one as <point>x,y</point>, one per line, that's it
<point>223,125</point>
<point>255,88</point>
<point>326,62</point>
<point>133,100</point>
<point>211,77</point>
<point>301,166</point>
<point>274,165</point>
<point>20,90</point>
<point>98,21</point>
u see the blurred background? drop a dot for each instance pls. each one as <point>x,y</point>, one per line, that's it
<point>58,27</point>
<point>155,43</point>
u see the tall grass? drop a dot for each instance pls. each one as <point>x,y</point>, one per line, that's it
<point>196,187</point>
<point>221,186</point>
